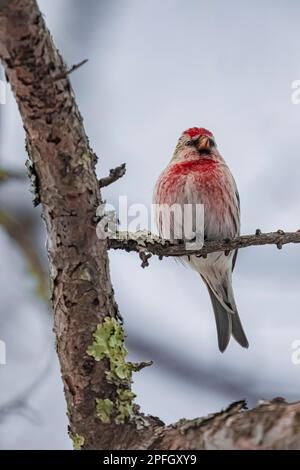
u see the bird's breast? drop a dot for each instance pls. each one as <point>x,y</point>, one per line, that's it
<point>199,167</point>
<point>192,179</point>
<point>202,181</point>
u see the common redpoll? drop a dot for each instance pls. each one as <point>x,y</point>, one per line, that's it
<point>197,174</point>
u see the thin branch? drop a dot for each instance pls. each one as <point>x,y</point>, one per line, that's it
<point>144,242</point>
<point>77,66</point>
<point>114,175</point>
<point>67,72</point>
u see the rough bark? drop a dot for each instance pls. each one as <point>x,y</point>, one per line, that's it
<point>62,169</point>
<point>271,425</point>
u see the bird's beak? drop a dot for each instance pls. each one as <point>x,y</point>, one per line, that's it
<point>205,143</point>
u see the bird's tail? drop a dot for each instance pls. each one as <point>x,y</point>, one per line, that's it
<point>228,322</point>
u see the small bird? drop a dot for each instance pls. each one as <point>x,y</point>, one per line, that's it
<point>197,174</point>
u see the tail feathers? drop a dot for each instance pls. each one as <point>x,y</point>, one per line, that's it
<point>238,331</point>
<point>227,324</point>
<point>223,322</point>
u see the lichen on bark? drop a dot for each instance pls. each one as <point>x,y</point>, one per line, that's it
<point>78,441</point>
<point>109,344</point>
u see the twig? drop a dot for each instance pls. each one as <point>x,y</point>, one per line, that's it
<point>137,366</point>
<point>145,259</point>
<point>114,175</point>
<point>76,66</point>
<point>145,242</point>
<point>67,72</point>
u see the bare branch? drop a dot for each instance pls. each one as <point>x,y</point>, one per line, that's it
<point>114,175</point>
<point>145,242</point>
<point>270,425</point>
<point>76,66</point>
<point>67,72</point>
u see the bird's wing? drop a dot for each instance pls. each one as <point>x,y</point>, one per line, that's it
<point>239,208</point>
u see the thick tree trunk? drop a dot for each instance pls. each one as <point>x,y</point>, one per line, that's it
<point>62,167</point>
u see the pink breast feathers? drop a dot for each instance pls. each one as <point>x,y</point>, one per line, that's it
<point>203,172</point>
<point>197,167</point>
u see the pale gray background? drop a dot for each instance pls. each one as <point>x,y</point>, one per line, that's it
<point>155,68</point>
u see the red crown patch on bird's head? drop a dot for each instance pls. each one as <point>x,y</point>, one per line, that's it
<point>197,131</point>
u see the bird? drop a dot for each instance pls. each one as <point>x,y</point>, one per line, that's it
<point>198,175</point>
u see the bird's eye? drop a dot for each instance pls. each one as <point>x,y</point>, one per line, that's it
<point>190,143</point>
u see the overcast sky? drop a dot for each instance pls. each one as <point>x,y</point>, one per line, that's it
<point>156,68</point>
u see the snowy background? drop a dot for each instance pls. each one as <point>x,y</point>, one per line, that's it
<point>156,68</point>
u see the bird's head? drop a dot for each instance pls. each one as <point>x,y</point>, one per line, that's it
<point>200,138</point>
<point>195,142</point>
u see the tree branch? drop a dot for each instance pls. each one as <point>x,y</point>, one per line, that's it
<point>143,242</point>
<point>89,337</point>
<point>271,425</point>
<point>114,175</point>
<point>67,72</point>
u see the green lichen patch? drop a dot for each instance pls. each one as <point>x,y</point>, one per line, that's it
<point>124,405</point>
<point>109,343</point>
<point>104,409</point>
<point>121,409</point>
<point>78,441</point>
